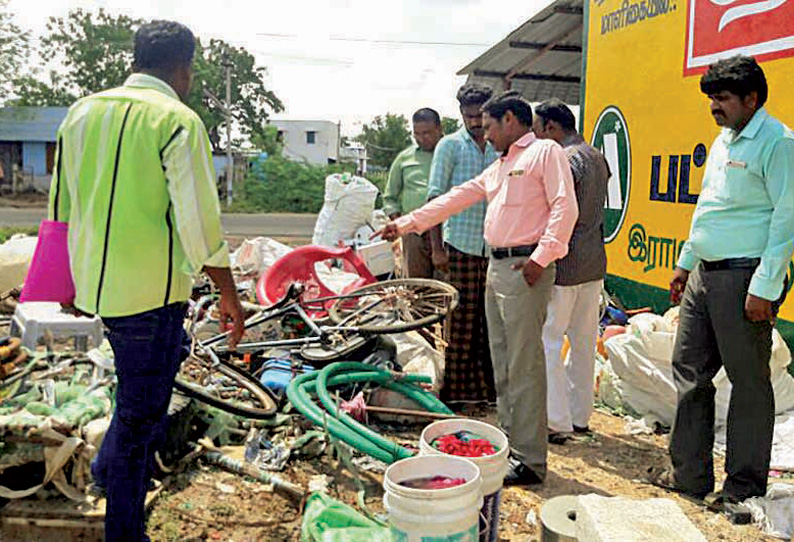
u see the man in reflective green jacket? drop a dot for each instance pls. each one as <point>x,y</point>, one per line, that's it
<point>134,180</point>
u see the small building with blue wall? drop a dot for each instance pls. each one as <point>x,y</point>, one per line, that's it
<point>27,141</point>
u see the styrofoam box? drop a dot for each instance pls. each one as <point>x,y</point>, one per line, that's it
<point>378,256</point>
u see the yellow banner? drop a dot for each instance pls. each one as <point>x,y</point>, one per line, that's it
<point>643,108</point>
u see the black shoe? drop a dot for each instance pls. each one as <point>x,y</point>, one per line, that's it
<point>521,475</point>
<point>577,429</point>
<point>557,438</point>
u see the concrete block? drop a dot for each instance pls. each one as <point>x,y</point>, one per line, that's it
<point>619,519</point>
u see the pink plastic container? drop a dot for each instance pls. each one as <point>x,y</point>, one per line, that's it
<point>49,276</point>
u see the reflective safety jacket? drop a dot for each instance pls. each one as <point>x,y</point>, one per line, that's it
<point>134,180</point>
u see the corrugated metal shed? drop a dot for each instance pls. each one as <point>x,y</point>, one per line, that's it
<point>30,123</point>
<point>542,58</point>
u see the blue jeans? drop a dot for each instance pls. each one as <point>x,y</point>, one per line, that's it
<point>148,349</point>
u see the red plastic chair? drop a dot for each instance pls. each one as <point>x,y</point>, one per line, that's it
<point>299,266</point>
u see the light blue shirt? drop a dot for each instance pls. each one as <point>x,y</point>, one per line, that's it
<point>458,159</point>
<point>746,206</point>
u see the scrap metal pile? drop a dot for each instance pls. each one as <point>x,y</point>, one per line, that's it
<point>281,393</point>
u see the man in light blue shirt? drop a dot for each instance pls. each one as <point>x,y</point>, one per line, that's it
<point>731,273</point>
<point>460,157</point>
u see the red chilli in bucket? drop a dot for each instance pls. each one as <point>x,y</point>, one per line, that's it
<point>464,444</point>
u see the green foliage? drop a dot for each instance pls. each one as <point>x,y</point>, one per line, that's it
<point>96,49</point>
<point>250,98</point>
<point>278,185</point>
<point>449,125</point>
<point>7,232</point>
<point>384,138</point>
<point>378,177</point>
<point>52,91</point>
<point>14,48</point>
<point>268,141</point>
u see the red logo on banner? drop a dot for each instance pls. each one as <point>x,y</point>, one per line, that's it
<point>718,29</point>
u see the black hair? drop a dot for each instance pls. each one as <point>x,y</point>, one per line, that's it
<point>427,115</point>
<point>473,94</point>
<point>163,45</point>
<point>512,101</point>
<point>739,75</point>
<point>556,110</point>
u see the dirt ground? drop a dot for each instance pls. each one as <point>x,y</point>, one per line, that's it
<point>208,504</point>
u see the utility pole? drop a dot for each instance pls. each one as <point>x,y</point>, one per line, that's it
<point>229,158</point>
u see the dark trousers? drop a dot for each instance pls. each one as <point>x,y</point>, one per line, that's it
<point>148,349</point>
<point>417,256</point>
<point>714,332</point>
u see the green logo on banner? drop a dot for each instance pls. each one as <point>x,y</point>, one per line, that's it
<point>611,137</point>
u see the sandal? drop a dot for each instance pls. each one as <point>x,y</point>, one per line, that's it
<point>665,479</point>
<point>557,438</point>
<point>737,513</point>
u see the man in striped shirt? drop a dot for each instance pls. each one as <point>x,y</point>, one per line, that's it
<point>459,157</point>
<point>573,309</point>
<point>134,180</point>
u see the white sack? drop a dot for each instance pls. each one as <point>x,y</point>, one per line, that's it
<point>348,204</point>
<point>642,359</point>
<point>15,256</point>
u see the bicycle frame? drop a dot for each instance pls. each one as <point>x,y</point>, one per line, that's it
<point>290,304</point>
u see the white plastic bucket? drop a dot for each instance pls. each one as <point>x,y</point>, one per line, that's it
<point>441,515</point>
<point>492,468</point>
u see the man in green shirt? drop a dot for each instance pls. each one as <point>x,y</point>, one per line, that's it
<point>406,189</point>
<point>732,274</point>
<point>134,180</point>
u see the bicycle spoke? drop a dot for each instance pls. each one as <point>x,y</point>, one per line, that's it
<point>401,305</point>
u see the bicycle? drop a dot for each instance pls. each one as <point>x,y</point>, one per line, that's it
<point>356,318</point>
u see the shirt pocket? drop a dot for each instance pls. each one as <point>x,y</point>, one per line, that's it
<point>514,187</point>
<point>744,186</point>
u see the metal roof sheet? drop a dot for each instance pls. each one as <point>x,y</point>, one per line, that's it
<point>30,123</point>
<point>542,58</point>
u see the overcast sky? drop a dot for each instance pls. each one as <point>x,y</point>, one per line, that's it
<point>322,56</point>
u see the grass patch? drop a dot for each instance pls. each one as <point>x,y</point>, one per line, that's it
<point>7,232</point>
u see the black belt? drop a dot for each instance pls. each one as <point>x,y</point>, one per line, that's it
<point>512,252</point>
<point>731,263</point>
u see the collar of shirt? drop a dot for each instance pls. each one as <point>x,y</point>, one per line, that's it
<point>518,146</point>
<point>749,131</point>
<point>466,136</point>
<point>142,80</point>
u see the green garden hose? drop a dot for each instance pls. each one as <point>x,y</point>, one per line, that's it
<point>298,395</point>
<point>343,426</point>
<point>332,407</point>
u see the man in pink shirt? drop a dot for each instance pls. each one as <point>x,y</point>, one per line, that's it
<point>531,214</point>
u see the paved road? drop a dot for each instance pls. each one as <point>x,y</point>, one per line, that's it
<point>285,226</point>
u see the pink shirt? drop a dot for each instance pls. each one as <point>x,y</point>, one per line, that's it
<point>531,200</point>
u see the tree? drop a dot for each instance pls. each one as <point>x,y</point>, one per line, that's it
<point>449,125</point>
<point>384,138</point>
<point>14,48</point>
<point>251,100</point>
<point>97,50</point>
<point>268,141</point>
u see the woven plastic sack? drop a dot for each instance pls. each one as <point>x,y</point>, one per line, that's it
<point>348,204</point>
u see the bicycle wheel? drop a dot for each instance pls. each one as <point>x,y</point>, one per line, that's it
<point>395,306</point>
<point>226,387</point>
